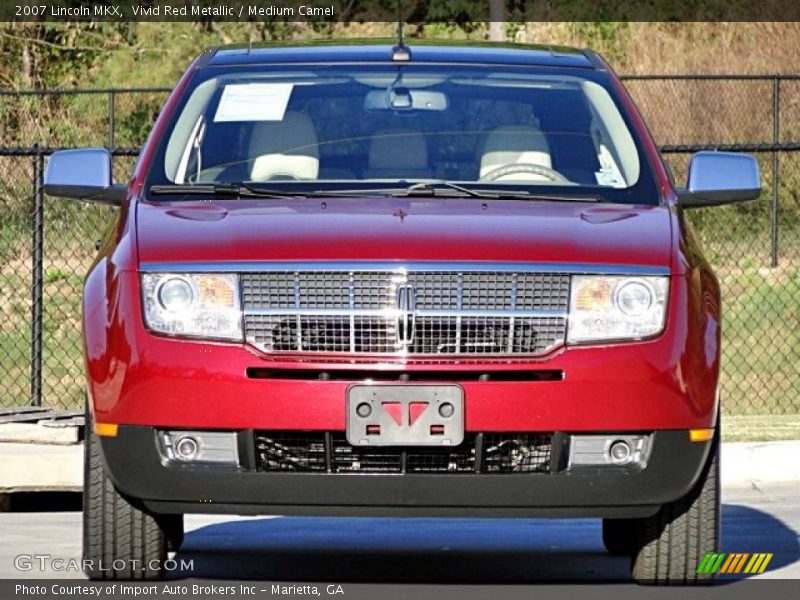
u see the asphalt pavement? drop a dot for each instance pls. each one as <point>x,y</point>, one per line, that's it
<point>763,517</point>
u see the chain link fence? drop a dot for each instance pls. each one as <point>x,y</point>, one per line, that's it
<point>46,248</point>
<point>47,245</point>
<point>754,248</point>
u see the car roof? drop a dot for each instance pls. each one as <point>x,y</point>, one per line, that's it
<point>382,51</point>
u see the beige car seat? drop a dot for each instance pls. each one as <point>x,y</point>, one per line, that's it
<point>515,144</point>
<point>287,149</point>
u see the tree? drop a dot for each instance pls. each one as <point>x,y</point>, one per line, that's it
<point>497,20</point>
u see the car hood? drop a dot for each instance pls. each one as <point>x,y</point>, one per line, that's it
<point>403,229</point>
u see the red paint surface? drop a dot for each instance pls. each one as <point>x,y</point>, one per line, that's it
<point>367,229</point>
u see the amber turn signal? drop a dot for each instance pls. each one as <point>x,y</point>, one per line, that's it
<point>700,435</point>
<point>106,429</point>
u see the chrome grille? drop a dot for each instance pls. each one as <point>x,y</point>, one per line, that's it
<point>369,312</point>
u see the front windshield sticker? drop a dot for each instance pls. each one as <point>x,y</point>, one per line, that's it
<point>254,102</point>
<point>609,173</point>
<point>608,178</point>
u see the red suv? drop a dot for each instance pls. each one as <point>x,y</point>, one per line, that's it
<point>428,281</point>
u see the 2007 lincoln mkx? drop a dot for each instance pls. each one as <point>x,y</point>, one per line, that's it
<point>406,281</point>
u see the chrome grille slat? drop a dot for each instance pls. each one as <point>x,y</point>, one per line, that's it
<point>459,317</point>
<point>393,313</point>
<point>297,306</point>
<point>351,289</point>
<point>345,312</point>
<point>510,348</point>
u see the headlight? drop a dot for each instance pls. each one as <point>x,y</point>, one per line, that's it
<point>616,308</point>
<point>174,294</point>
<point>200,305</point>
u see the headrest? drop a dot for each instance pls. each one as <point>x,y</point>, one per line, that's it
<point>285,149</point>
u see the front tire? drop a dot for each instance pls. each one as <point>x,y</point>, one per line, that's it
<point>672,543</point>
<point>120,541</point>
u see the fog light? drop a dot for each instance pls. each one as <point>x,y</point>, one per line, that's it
<point>186,448</point>
<point>200,447</point>
<point>610,451</point>
<point>619,452</point>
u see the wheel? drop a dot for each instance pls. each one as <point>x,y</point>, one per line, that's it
<point>672,542</point>
<point>620,536</point>
<point>120,541</point>
<point>519,168</point>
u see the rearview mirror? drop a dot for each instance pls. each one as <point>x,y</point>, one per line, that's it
<point>403,98</point>
<point>84,174</point>
<point>717,178</point>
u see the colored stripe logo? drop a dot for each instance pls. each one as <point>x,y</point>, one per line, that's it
<point>734,562</point>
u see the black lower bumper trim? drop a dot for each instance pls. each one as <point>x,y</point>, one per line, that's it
<point>135,466</point>
<point>454,512</point>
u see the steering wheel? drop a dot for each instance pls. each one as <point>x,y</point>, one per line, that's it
<point>515,168</point>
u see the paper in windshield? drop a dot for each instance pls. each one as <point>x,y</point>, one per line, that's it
<point>254,102</point>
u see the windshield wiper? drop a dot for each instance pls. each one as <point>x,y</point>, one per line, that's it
<point>434,188</point>
<point>221,190</point>
<point>425,188</point>
<point>445,188</point>
<point>442,188</point>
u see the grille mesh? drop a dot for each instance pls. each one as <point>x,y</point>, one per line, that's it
<point>458,459</point>
<point>527,452</point>
<point>364,459</point>
<point>306,452</point>
<point>354,312</point>
<point>291,451</point>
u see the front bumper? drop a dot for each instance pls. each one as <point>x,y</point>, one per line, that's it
<point>139,471</point>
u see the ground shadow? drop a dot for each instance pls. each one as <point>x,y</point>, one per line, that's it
<point>442,550</point>
<point>745,529</point>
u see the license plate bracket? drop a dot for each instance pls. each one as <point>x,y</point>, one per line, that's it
<point>405,415</point>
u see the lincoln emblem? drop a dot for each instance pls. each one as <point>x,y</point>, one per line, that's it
<point>406,305</point>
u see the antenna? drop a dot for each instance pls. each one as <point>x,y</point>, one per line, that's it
<point>400,52</point>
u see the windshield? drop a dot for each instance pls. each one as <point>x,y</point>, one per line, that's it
<point>329,127</point>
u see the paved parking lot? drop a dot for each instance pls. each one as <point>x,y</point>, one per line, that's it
<point>755,519</point>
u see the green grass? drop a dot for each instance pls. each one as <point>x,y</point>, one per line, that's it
<point>62,359</point>
<point>69,235</point>
<point>761,341</point>
<point>15,338</point>
<point>745,428</point>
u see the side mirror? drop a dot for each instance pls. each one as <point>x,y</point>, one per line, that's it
<point>717,178</point>
<point>84,174</point>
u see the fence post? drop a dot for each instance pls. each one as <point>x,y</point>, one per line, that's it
<point>111,123</point>
<point>776,135</point>
<point>37,277</point>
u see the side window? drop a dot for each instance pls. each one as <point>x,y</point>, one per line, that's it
<point>186,130</point>
<point>619,159</point>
